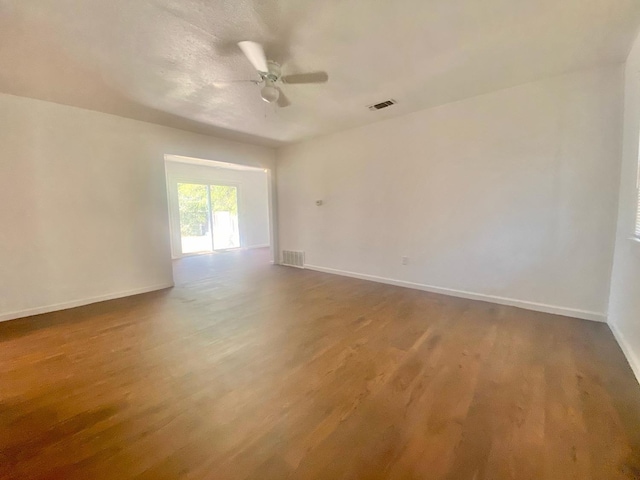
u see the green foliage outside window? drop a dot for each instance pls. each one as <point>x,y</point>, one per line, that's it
<point>194,211</point>
<point>224,199</point>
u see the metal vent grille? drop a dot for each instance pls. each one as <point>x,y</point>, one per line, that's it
<point>293,259</point>
<point>381,105</point>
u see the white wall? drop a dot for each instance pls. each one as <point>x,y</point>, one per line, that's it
<point>624,307</point>
<point>510,196</point>
<point>83,208</point>
<point>253,200</point>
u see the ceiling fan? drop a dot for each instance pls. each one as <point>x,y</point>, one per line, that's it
<point>271,76</point>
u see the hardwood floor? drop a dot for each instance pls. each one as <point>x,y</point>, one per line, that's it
<point>251,371</point>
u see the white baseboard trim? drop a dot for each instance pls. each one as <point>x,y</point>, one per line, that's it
<point>634,361</point>
<point>80,302</point>
<point>538,307</point>
<point>251,247</point>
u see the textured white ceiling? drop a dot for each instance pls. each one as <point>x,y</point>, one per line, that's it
<point>158,60</point>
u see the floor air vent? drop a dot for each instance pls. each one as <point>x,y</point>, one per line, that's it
<point>293,259</point>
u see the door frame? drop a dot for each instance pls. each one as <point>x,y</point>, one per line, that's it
<point>174,212</point>
<point>272,196</point>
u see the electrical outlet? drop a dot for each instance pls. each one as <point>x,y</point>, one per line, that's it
<point>405,260</point>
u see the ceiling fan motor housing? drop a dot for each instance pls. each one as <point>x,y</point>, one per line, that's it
<point>273,75</point>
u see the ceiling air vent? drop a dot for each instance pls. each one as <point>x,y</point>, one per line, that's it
<point>381,105</point>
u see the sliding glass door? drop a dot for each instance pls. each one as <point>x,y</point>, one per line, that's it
<point>195,219</point>
<point>208,217</point>
<point>224,209</point>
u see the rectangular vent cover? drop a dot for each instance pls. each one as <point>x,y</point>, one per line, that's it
<point>381,105</point>
<point>293,259</point>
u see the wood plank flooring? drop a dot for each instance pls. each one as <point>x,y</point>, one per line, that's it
<point>251,371</point>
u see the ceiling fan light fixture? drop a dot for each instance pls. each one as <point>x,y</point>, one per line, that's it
<point>269,93</point>
<point>270,74</point>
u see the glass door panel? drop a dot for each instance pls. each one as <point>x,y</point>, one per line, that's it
<point>195,220</point>
<point>224,208</point>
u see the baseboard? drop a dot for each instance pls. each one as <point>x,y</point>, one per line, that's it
<point>634,361</point>
<point>251,247</point>
<point>80,302</point>
<point>538,307</point>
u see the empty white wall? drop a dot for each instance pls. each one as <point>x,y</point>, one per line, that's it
<point>83,208</point>
<point>253,200</point>
<point>624,304</point>
<point>510,196</point>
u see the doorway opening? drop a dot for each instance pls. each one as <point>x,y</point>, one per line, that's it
<point>218,207</point>
<point>208,217</point>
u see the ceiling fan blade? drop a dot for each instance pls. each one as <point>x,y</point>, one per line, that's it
<point>311,77</point>
<point>255,54</point>
<point>226,83</point>
<point>283,101</point>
